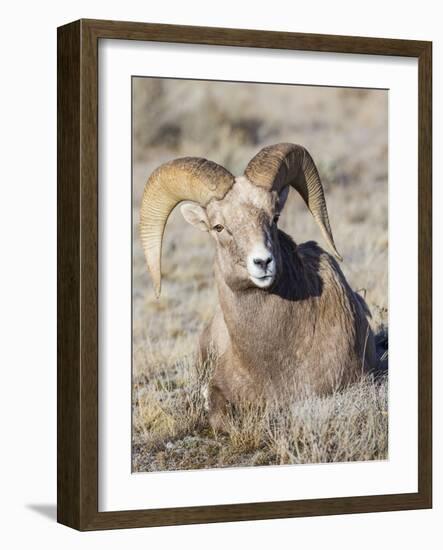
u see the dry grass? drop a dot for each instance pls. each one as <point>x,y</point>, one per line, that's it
<point>171,427</point>
<point>346,132</point>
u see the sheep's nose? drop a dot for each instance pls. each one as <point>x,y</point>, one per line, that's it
<point>263,262</point>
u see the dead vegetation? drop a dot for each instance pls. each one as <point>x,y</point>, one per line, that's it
<point>346,131</point>
<point>171,428</point>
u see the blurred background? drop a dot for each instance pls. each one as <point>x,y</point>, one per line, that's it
<point>346,132</point>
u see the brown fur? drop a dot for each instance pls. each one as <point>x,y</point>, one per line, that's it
<point>306,331</point>
<point>309,333</point>
<point>281,331</point>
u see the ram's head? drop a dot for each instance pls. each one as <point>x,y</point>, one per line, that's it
<point>240,213</point>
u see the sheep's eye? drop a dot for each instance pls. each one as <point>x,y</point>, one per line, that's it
<point>219,228</point>
<point>276,218</point>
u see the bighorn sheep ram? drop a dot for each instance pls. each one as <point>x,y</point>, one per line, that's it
<point>287,319</point>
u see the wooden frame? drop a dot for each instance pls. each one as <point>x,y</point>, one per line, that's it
<point>77,456</point>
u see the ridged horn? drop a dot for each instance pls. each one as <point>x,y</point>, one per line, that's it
<point>283,164</point>
<point>191,178</point>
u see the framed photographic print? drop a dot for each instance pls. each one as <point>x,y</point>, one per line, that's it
<point>243,219</point>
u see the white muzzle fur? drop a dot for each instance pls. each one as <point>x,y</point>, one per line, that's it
<point>261,266</point>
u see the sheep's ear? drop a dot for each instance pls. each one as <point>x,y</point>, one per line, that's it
<point>282,197</point>
<point>195,215</point>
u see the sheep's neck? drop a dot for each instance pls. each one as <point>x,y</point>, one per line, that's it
<point>257,318</point>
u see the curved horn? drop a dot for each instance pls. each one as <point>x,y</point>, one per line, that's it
<point>191,178</point>
<point>283,164</point>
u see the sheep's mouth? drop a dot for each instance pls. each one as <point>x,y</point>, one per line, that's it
<point>263,282</point>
